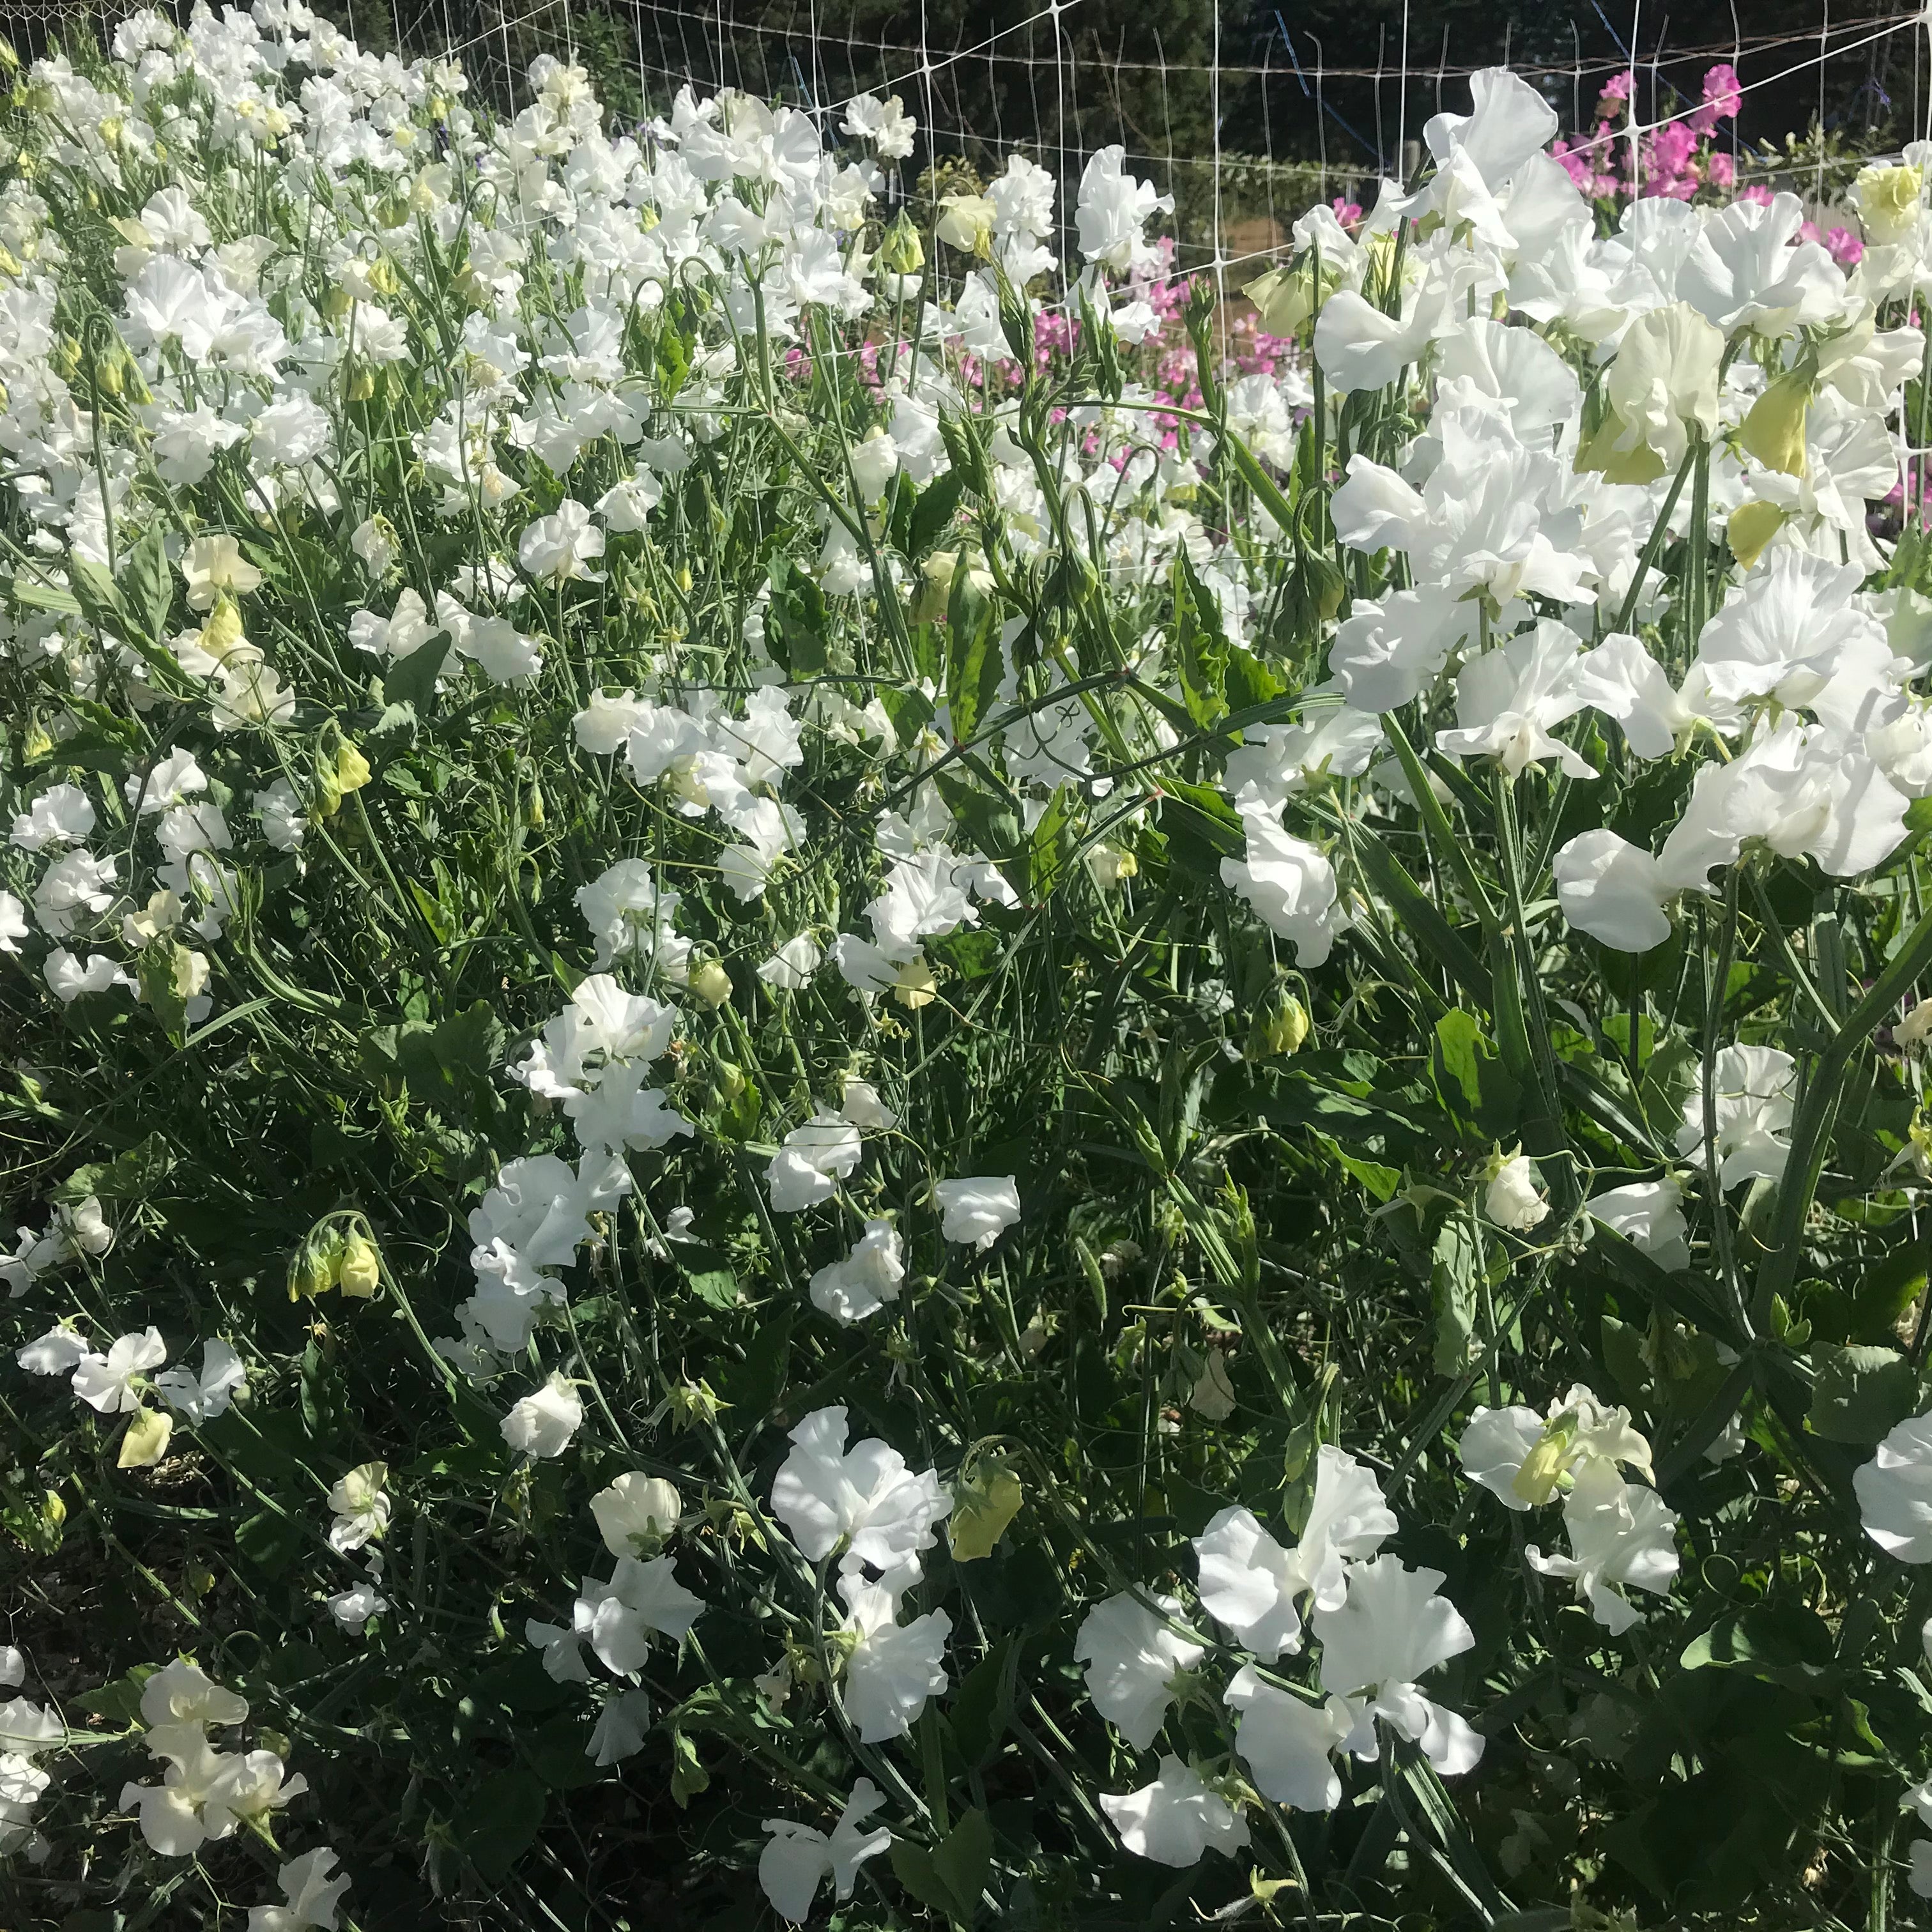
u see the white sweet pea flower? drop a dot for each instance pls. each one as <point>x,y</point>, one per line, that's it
<point>1288,1744</point>
<point>791,966</point>
<point>1175,1818</point>
<point>62,815</point>
<point>979,1209</point>
<point>1495,1445</point>
<point>199,1398</point>
<point>313,1897</point>
<point>865,1497</point>
<point>109,1383</point>
<point>1649,1214</point>
<point>1289,882</point>
<point>1620,1536</point>
<point>636,1513</point>
<point>362,1508</point>
<point>1511,1199</point>
<point>544,1423</point>
<point>1507,699</point>
<point>58,1352</point>
<point>1391,1630</point>
<point>1132,1658</point>
<point>353,1607</point>
<point>891,1668</point>
<point>1250,1582</point>
<point>814,1157</point>
<point>618,1618</point>
<point>1114,210</point>
<point>860,1104</point>
<point>1613,890</point>
<point>620,1728</point>
<point>1894,1492</point>
<point>562,547</point>
<point>1525,1459</point>
<point>799,1858</point>
<point>1756,1098</point>
<point>562,1650</point>
<point>866,1279</point>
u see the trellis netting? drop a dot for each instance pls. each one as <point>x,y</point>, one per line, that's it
<point>863,1069</point>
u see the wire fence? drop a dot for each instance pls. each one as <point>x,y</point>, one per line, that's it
<point>1245,118</point>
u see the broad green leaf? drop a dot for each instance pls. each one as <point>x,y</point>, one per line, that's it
<point>1050,850</point>
<point>931,511</point>
<point>979,1709</point>
<point>1455,1279</point>
<point>271,1541</point>
<point>1862,1393</point>
<point>964,1858</point>
<point>974,663</point>
<point>412,680</point>
<point>1201,646</point>
<point>147,587</point>
<point>500,1820</point>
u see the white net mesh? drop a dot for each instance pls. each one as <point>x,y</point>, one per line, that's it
<point>1245,126</point>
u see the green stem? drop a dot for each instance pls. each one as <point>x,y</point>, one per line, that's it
<point>1810,1134</point>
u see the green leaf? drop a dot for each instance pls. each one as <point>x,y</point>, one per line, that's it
<point>100,599</point>
<point>994,821</point>
<point>931,511</point>
<point>557,1754</point>
<point>688,1776</point>
<point>93,749</point>
<point>1250,683</point>
<point>1382,1182</point>
<point>1456,1282</point>
<point>1051,851</point>
<point>972,952</point>
<point>271,1541</point>
<point>501,1821</point>
<point>132,1175</point>
<point>1470,1076</point>
<point>1459,1040</point>
<point>1201,826</point>
<point>797,625</point>
<point>1862,1393</point>
<point>754,1385</point>
<point>412,680</point>
<point>1201,645</point>
<point>913,1867</point>
<point>964,1858</point>
<point>1781,1641</point>
<point>973,661</point>
<point>38,594</point>
<point>448,1066</point>
<point>159,972</point>
<point>708,1274</point>
<point>910,710</point>
<point>1623,1355</point>
<point>148,586</point>
<point>983,1704</point>
<point>950,1877</point>
<point>673,356</point>
<point>120,1700</point>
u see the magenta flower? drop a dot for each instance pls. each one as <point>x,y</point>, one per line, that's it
<point>1846,250</point>
<point>1723,94</point>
